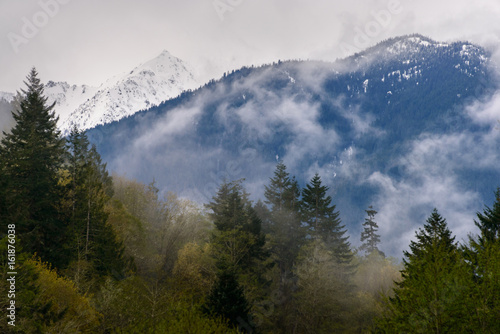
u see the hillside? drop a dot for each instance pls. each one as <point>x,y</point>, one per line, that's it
<point>395,126</point>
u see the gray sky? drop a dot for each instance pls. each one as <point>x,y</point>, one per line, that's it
<point>86,42</point>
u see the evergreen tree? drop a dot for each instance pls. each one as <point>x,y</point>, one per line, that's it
<point>32,156</point>
<point>323,300</point>
<point>287,236</point>
<point>238,238</point>
<point>323,221</point>
<point>88,190</point>
<point>265,216</point>
<point>239,249</point>
<point>227,300</point>
<point>282,195</point>
<point>489,222</point>
<point>483,255</point>
<point>369,234</point>
<point>228,207</point>
<point>429,297</point>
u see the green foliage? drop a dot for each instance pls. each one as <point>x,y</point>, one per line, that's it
<point>237,240</point>
<point>187,271</point>
<point>49,303</point>
<point>429,297</point>
<point>195,271</point>
<point>283,192</point>
<point>157,227</point>
<point>374,278</point>
<point>324,296</point>
<point>323,221</point>
<point>138,305</point>
<point>483,255</point>
<point>129,231</point>
<point>96,251</point>
<point>186,318</point>
<point>227,300</point>
<point>238,246</point>
<point>286,237</point>
<point>287,234</point>
<point>489,222</point>
<point>483,290</point>
<point>31,157</point>
<point>369,236</point>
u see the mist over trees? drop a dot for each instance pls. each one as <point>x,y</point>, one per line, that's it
<point>96,253</point>
<point>6,119</point>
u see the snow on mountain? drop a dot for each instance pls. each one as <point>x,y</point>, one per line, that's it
<point>7,97</point>
<point>147,85</point>
<point>409,57</point>
<point>67,97</point>
<point>416,48</point>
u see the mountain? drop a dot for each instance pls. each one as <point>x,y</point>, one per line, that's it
<point>147,85</point>
<point>68,98</point>
<point>6,97</point>
<point>405,126</point>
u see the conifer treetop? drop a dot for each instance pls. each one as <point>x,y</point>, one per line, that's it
<point>369,233</point>
<point>489,221</point>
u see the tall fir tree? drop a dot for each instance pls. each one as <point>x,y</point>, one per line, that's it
<point>369,236</point>
<point>238,238</point>
<point>239,249</point>
<point>429,297</point>
<point>32,157</point>
<point>483,255</point>
<point>323,221</point>
<point>89,188</point>
<point>282,195</point>
<point>489,222</point>
<point>287,236</point>
<point>227,300</point>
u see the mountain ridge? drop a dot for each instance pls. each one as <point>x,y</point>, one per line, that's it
<point>361,127</point>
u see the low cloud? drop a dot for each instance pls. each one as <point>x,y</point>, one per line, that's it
<point>253,32</point>
<point>251,117</point>
<point>431,173</point>
<point>433,177</point>
<point>6,119</point>
<point>486,113</point>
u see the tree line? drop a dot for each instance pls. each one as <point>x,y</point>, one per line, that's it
<point>105,254</point>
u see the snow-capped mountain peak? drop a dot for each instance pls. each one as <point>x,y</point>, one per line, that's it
<point>67,97</point>
<point>408,55</point>
<point>148,84</point>
<point>159,63</point>
<point>413,43</point>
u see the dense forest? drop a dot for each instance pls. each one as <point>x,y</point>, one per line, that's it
<point>83,251</point>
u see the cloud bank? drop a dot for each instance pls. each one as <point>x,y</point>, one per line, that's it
<point>69,44</point>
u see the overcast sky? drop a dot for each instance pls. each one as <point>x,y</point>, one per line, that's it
<point>86,42</point>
